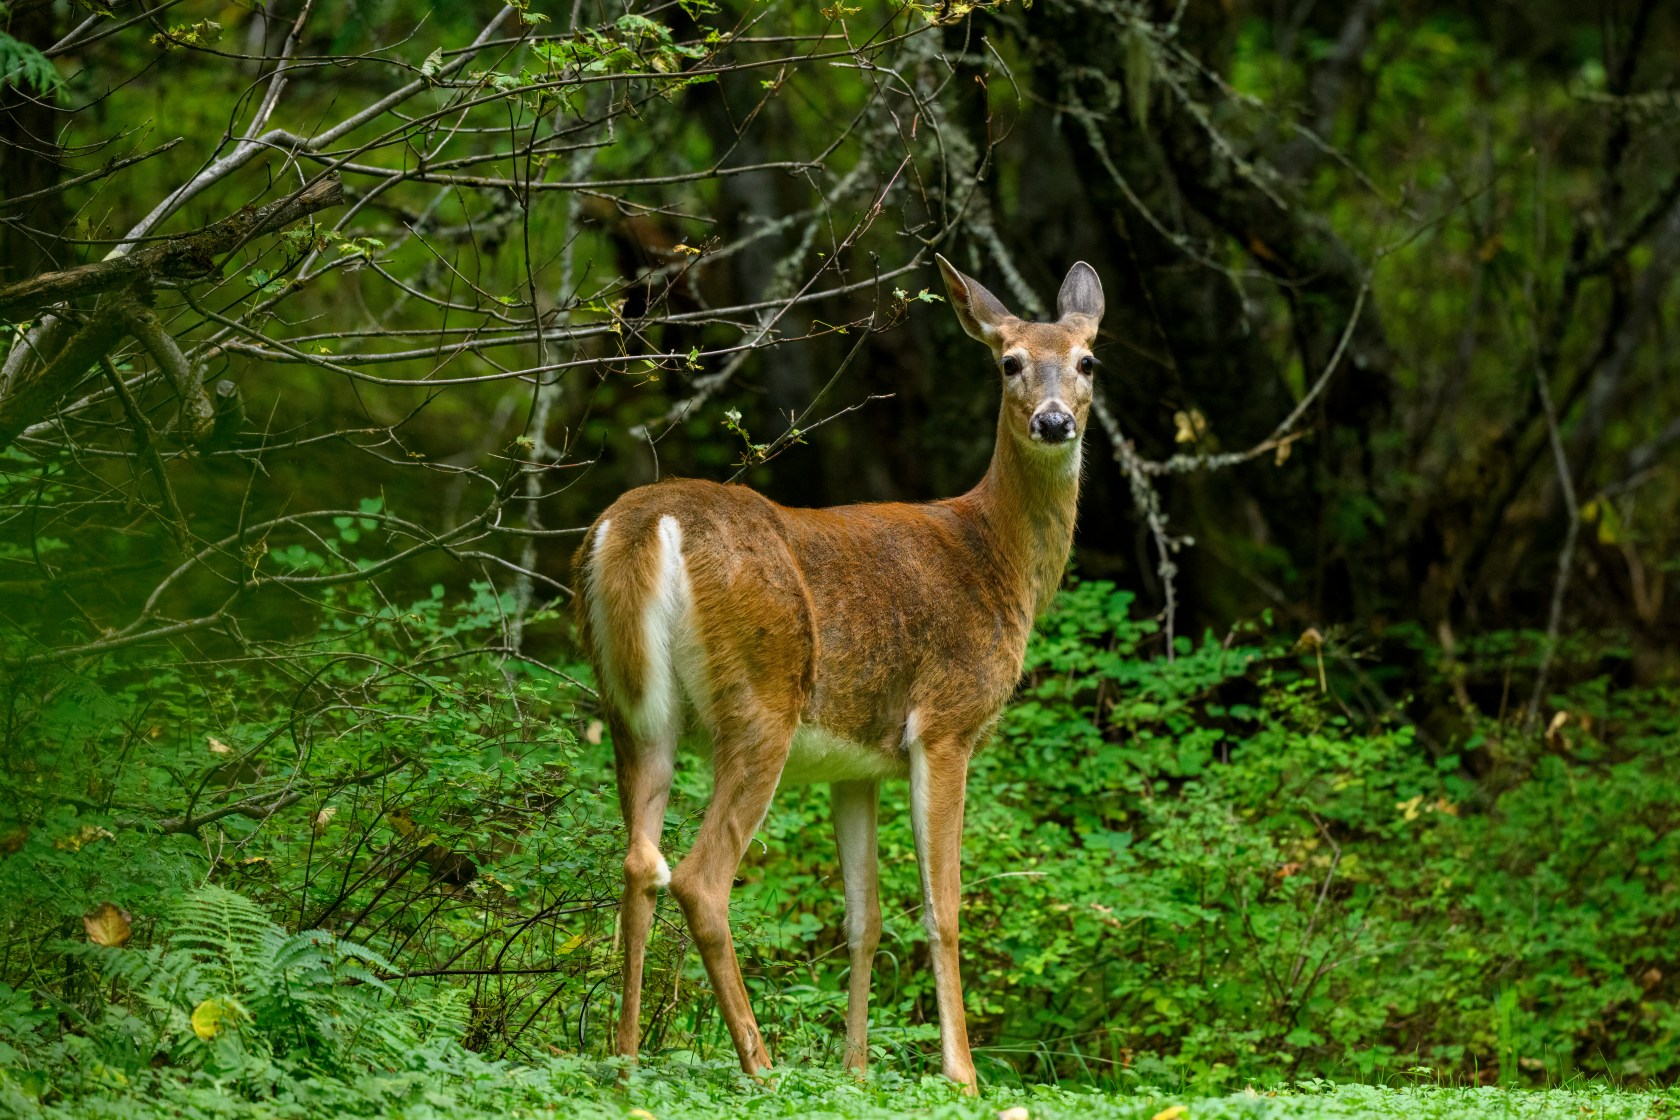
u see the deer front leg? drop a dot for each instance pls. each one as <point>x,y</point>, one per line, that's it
<point>854,832</point>
<point>938,777</point>
<point>746,766</point>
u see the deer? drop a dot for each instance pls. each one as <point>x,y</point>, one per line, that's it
<point>847,645</point>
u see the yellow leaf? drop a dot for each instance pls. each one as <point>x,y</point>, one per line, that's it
<point>217,746</point>
<point>108,924</point>
<point>211,1017</point>
<point>1019,1112</point>
<point>641,1114</point>
<point>1171,1112</point>
<point>1609,525</point>
<point>1192,426</point>
<point>570,944</point>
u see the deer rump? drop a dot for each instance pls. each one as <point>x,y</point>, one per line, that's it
<point>710,605</point>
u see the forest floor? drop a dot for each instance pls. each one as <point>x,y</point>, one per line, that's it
<point>590,1090</point>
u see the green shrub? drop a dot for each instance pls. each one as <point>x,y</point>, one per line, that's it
<point>1196,870</point>
<point>1206,868</point>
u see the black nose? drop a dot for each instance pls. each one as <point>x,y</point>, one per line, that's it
<point>1052,427</point>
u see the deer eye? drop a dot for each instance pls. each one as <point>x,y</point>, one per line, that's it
<point>1088,365</point>
<point>1011,366</point>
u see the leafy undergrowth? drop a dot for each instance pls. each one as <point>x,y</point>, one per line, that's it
<point>375,860</point>
<point>466,1086</point>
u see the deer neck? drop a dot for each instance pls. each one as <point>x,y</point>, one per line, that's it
<point>1029,500</point>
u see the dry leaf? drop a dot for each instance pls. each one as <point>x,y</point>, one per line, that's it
<point>1262,250</point>
<point>1016,1113</point>
<point>1283,453</point>
<point>211,1017</point>
<point>323,818</point>
<point>592,733</point>
<point>82,837</point>
<point>217,746</point>
<point>108,924</point>
<point>1171,1112</point>
<point>1553,728</point>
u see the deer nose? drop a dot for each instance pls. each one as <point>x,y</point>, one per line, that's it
<point>1052,425</point>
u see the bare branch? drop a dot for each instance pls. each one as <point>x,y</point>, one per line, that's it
<point>190,256</point>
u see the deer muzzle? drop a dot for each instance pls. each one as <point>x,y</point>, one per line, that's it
<point>1052,423</point>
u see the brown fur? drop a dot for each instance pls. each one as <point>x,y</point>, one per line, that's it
<point>846,619</point>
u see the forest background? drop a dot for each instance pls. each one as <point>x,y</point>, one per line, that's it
<point>1352,750</point>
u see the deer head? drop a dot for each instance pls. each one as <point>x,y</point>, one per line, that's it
<point>1047,368</point>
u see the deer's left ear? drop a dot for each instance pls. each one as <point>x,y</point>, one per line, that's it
<point>1081,294</point>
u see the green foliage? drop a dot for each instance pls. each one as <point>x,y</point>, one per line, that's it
<point>25,67</point>
<point>227,990</point>
<point>378,776</point>
<point>203,33</point>
<point>1193,870</point>
<point>1197,872</point>
<point>373,863</point>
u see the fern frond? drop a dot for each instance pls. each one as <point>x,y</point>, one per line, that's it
<point>227,932</point>
<point>23,66</point>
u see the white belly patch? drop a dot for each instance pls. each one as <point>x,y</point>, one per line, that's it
<point>818,756</point>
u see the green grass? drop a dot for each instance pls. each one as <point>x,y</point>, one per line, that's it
<point>589,1090</point>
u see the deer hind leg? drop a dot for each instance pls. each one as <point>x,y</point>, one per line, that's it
<point>644,784</point>
<point>855,805</point>
<point>747,762</point>
<point>938,777</point>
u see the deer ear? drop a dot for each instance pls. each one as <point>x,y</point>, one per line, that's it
<point>979,311</point>
<point>1081,294</point>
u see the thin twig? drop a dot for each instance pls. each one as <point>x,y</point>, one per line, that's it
<point>145,440</point>
<point>1566,556</point>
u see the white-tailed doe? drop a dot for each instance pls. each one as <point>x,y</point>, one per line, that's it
<point>842,645</point>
